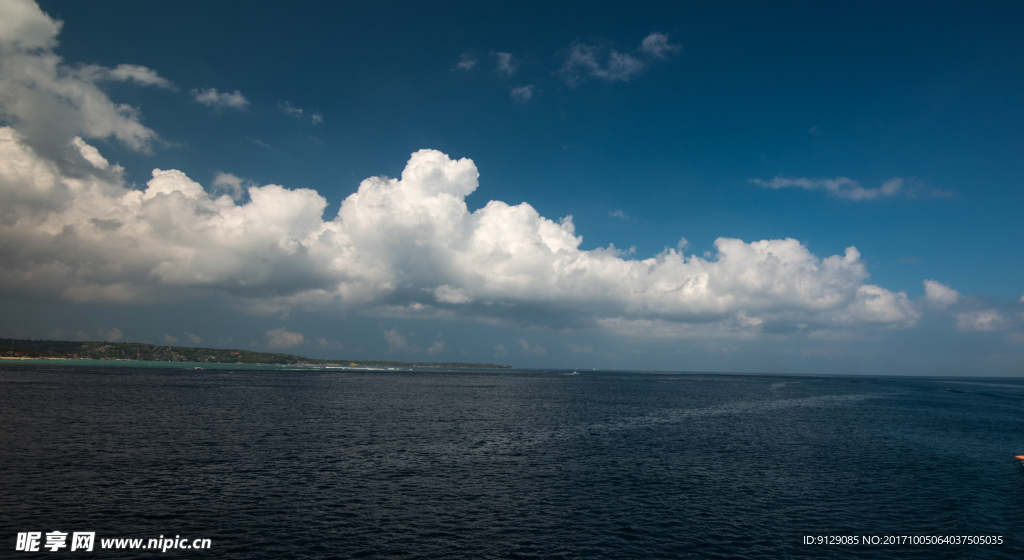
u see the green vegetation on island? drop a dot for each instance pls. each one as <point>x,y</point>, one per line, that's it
<point>65,349</point>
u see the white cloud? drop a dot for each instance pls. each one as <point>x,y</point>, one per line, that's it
<point>940,296</point>
<point>981,320</point>
<point>140,75</point>
<point>451,294</point>
<point>193,338</point>
<point>113,335</point>
<point>844,187</point>
<point>406,246</point>
<point>620,67</point>
<point>398,247</point>
<point>398,344</point>
<point>168,340</point>
<point>746,321</point>
<point>531,349</point>
<point>50,102</point>
<point>24,26</point>
<point>89,153</point>
<point>229,184</point>
<point>618,214</point>
<point>583,60</point>
<point>581,348</point>
<point>280,339</point>
<point>211,98</point>
<point>505,65</point>
<point>314,117</point>
<point>523,94</point>
<point>436,347</point>
<point>499,351</point>
<point>657,45</point>
<point>467,62</point>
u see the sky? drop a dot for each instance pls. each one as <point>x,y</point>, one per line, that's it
<point>719,186</point>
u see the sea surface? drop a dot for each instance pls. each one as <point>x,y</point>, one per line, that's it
<point>508,463</point>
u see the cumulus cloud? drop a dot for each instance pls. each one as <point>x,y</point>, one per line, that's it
<point>24,25</point>
<point>50,102</point>
<point>168,340</point>
<point>280,339</point>
<point>212,98</point>
<point>505,64</point>
<point>584,60</point>
<point>193,338</point>
<point>406,246</point>
<point>940,296</point>
<point>522,94</point>
<point>90,153</point>
<point>844,187</point>
<point>230,184</point>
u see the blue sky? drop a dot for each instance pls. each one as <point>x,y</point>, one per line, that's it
<point>892,129</point>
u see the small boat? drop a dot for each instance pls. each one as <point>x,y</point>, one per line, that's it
<point>573,373</point>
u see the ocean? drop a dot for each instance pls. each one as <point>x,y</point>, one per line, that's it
<point>507,464</point>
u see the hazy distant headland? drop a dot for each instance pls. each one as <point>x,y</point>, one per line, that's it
<point>71,350</point>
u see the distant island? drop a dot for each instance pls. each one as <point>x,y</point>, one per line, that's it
<point>66,349</point>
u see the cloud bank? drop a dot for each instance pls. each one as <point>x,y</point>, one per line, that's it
<point>71,228</point>
<point>406,246</point>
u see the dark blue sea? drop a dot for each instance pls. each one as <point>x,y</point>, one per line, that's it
<point>509,464</point>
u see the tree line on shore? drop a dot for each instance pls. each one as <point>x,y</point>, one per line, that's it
<point>66,349</point>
